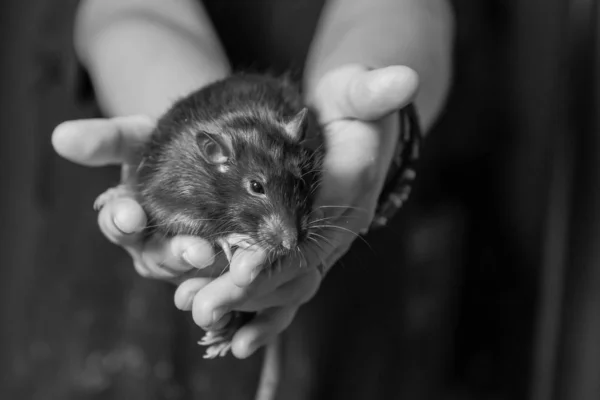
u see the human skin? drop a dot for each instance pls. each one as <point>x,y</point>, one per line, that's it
<point>407,45</point>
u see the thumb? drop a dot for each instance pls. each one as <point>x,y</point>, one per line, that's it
<point>99,142</point>
<point>353,91</point>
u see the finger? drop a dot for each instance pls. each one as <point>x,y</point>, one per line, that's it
<point>371,203</point>
<point>353,91</point>
<point>99,142</point>
<point>356,164</point>
<point>350,166</point>
<point>222,323</point>
<point>246,264</point>
<point>215,300</point>
<point>374,94</point>
<point>122,220</point>
<point>222,295</point>
<point>261,329</point>
<point>297,291</point>
<point>168,258</point>
<point>185,292</point>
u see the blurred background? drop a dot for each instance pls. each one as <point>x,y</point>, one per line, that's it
<point>494,290</point>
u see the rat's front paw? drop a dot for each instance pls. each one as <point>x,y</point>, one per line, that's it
<point>112,194</point>
<point>219,341</point>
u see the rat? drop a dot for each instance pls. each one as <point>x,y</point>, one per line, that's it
<point>230,163</point>
<point>238,163</point>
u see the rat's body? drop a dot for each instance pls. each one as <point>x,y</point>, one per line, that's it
<point>229,163</point>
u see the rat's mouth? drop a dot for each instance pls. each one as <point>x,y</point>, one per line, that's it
<point>239,240</point>
<point>236,240</point>
<point>233,241</point>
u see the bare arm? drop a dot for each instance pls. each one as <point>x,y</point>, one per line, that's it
<point>379,33</point>
<point>143,55</point>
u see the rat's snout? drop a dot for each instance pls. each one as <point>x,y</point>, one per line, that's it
<point>280,231</point>
<point>288,240</point>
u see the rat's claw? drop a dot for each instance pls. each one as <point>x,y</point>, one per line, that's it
<point>234,240</point>
<point>220,341</point>
<point>218,350</point>
<point>226,249</point>
<point>112,194</point>
<point>238,240</point>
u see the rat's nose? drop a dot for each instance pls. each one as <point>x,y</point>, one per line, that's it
<point>281,232</point>
<point>285,236</point>
<point>288,240</point>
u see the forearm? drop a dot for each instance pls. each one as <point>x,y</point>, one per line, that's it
<point>378,33</point>
<point>143,55</point>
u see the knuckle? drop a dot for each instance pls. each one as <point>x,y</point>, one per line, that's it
<point>156,269</point>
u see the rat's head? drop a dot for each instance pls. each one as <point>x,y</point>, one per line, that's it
<point>264,177</point>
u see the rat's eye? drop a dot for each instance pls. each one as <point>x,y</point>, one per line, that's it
<point>257,187</point>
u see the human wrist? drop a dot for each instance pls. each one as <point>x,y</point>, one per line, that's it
<point>139,67</point>
<point>381,33</point>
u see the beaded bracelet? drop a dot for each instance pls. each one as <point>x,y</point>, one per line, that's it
<point>401,174</point>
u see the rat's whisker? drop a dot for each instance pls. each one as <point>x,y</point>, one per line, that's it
<point>348,231</point>
<point>334,217</point>
<point>180,220</point>
<point>324,238</point>
<point>315,187</point>
<point>343,206</point>
<point>317,243</point>
<point>336,227</point>
<point>302,257</point>
<point>319,170</point>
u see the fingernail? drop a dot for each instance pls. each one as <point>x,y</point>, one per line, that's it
<point>127,221</point>
<point>186,258</point>
<point>197,261</point>
<point>119,223</point>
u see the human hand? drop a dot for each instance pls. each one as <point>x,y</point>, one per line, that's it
<point>114,141</point>
<point>358,111</point>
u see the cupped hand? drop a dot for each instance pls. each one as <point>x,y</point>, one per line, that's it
<point>115,141</point>
<point>358,109</point>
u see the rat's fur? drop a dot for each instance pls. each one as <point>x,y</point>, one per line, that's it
<point>247,115</point>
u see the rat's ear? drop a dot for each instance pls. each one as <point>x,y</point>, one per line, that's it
<point>214,149</point>
<point>297,126</point>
